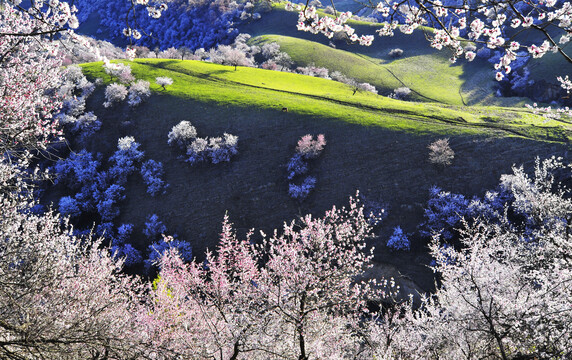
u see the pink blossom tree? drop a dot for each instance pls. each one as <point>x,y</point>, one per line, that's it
<point>494,24</point>
<point>292,295</point>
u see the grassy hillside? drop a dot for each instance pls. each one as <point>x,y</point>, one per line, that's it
<point>375,144</point>
<point>424,70</point>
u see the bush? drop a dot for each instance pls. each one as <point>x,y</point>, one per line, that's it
<point>107,202</point>
<point>163,81</point>
<point>69,206</point>
<point>215,149</point>
<point>78,169</point>
<point>309,148</point>
<point>152,172</point>
<point>367,87</point>
<point>84,126</point>
<point>197,152</point>
<point>270,50</point>
<point>124,158</point>
<point>440,153</point>
<point>297,166</point>
<point>313,71</point>
<point>182,134</point>
<point>302,191</point>
<point>157,249</point>
<point>401,93</point>
<point>222,149</point>
<point>119,71</point>
<point>128,253</point>
<point>154,227</point>
<point>138,92</point>
<point>114,93</point>
<point>444,213</point>
<point>399,240</point>
<point>124,233</point>
<point>395,53</point>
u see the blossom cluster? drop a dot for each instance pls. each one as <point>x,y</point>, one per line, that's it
<point>306,149</point>
<point>310,21</point>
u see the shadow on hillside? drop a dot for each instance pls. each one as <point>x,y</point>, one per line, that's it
<point>384,165</point>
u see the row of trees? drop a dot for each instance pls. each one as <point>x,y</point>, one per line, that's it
<point>504,290</point>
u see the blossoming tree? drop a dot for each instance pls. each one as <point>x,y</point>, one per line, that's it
<point>292,295</point>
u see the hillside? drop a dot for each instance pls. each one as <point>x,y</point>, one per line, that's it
<point>374,144</point>
<point>426,71</point>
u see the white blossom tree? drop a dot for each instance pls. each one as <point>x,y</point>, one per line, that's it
<point>61,296</point>
<point>507,292</point>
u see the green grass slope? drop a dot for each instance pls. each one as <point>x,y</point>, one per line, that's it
<point>424,70</point>
<point>430,76</point>
<point>375,144</point>
<point>305,95</point>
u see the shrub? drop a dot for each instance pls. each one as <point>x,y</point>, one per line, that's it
<point>128,253</point>
<point>309,148</point>
<point>399,240</point>
<point>444,213</point>
<point>86,125</point>
<point>197,152</point>
<point>107,202</point>
<point>181,134</point>
<point>124,158</point>
<point>124,233</point>
<point>401,93</point>
<point>217,149</point>
<point>222,149</point>
<point>120,71</point>
<point>283,60</point>
<point>69,206</point>
<point>302,191</point>
<point>313,71</point>
<point>152,172</point>
<point>297,166</point>
<point>440,153</point>
<point>157,249</point>
<point>367,87</point>
<point>78,169</point>
<point>114,93</point>
<point>395,53</point>
<point>138,92</point>
<point>154,227</point>
<point>270,50</point>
